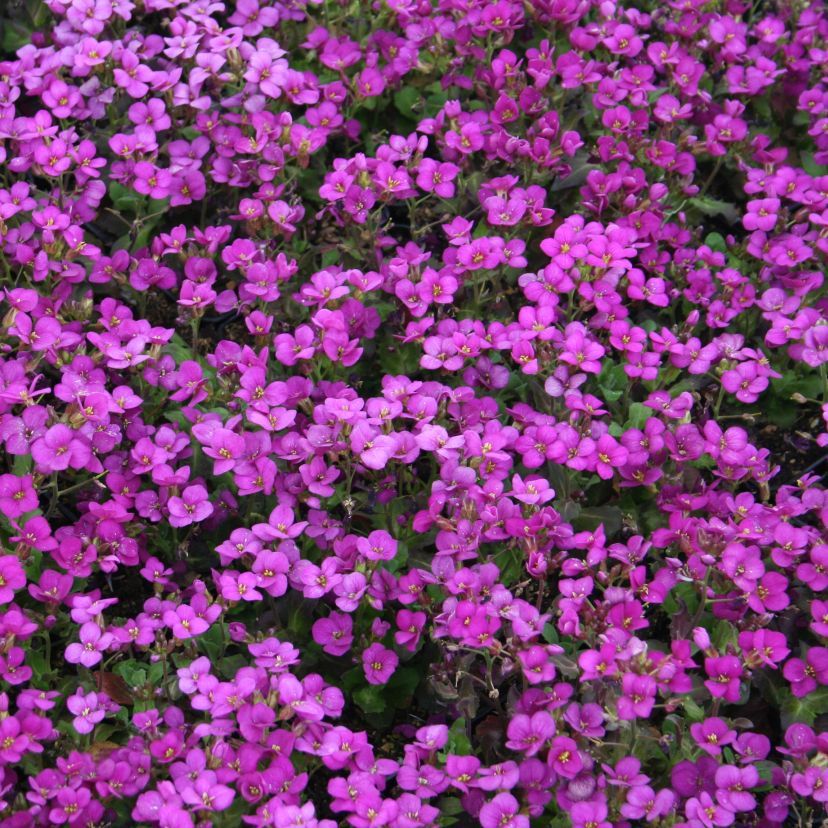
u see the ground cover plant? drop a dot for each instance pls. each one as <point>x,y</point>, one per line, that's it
<point>413,413</point>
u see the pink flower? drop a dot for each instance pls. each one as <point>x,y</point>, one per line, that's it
<point>93,642</point>
<point>207,794</point>
<point>564,757</point>
<point>762,214</point>
<point>86,711</point>
<point>378,546</point>
<point>529,734</point>
<point>708,812</point>
<point>12,578</point>
<point>609,456</point>
<point>59,448</point>
<point>806,675</point>
<point>373,448</point>
<point>13,741</point>
<point>69,805</point>
<point>379,664</point>
<point>638,696</point>
<point>437,177</point>
<point>17,495</point>
<point>191,507</point>
<point>581,352</point>
<point>334,633</point>
<point>409,628</point>
<point>503,811</point>
<point>712,735</point>
<point>184,623</point>
<point>590,815</point>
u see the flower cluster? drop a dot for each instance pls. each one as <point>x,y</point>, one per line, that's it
<point>413,413</point>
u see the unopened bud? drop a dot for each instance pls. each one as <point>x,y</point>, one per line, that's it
<point>701,638</point>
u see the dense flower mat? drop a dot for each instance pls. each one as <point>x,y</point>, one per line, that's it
<point>413,413</point>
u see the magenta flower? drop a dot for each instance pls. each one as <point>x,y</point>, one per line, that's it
<point>378,546</point>
<point>206,794</point>
<point>373,448</point>
<point>712,735</point>
<point>589,814</point>
<point>708,812</point>
<point>409,629</point>
<point>764,647</point>
<point>638,696</point>
<point>86,711</point>
<point>281,524</point>
<point>17,495</point>
<point>644,803</point>
<point>191,507</point>
<point>379,664</point>
<point>334,633</point>
<point>13,741</point>
<point>582,353</point>
<point>12,578</point>
<point>69,805</point>
<point>609,456</point>
<point>529,734</point>
<point>93,642</point>
<point>503,811</point>
<point>725,674</point>
<point>564,758</point>
<point>290,295</point>
<point>59,448</point>
<point>437,177</point>
<point>805,676</point>
<point>762,214</point>
<point>185,623</point>
<point>733,785</point>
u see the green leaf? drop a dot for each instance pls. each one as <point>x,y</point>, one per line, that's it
<point>230,666</point>
<point>22,464</point>
<point>400,559</point>
<point>723,634</point>
<point>351,678</point>
<point>591,517</point>
<point>179,349</point>
<point>804,709</point>
<point>36,659</point>
<point>766,770</point>
<point>450,806</point>
<point>331,257</point>
<point>638,415</point>
<point>716,241</point>
<point>402,684</point>
<point>156,673</point>
<point>409,101</point>
<point>613,381</point>
<point>133,673</point>
<point>33,565</point>
<point>780,412</point>
<point>458,742</point>
<point>125,200</point>
<point>370,699</point>
<point>435,100</point>
<point>14,35</point>
<point>212,642</point>
<point>694,712</point>
<point>713,207</point>
<point>810,166</point>
<point>550,634</point>
<point>299,622</point>
<point>146,233</point>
